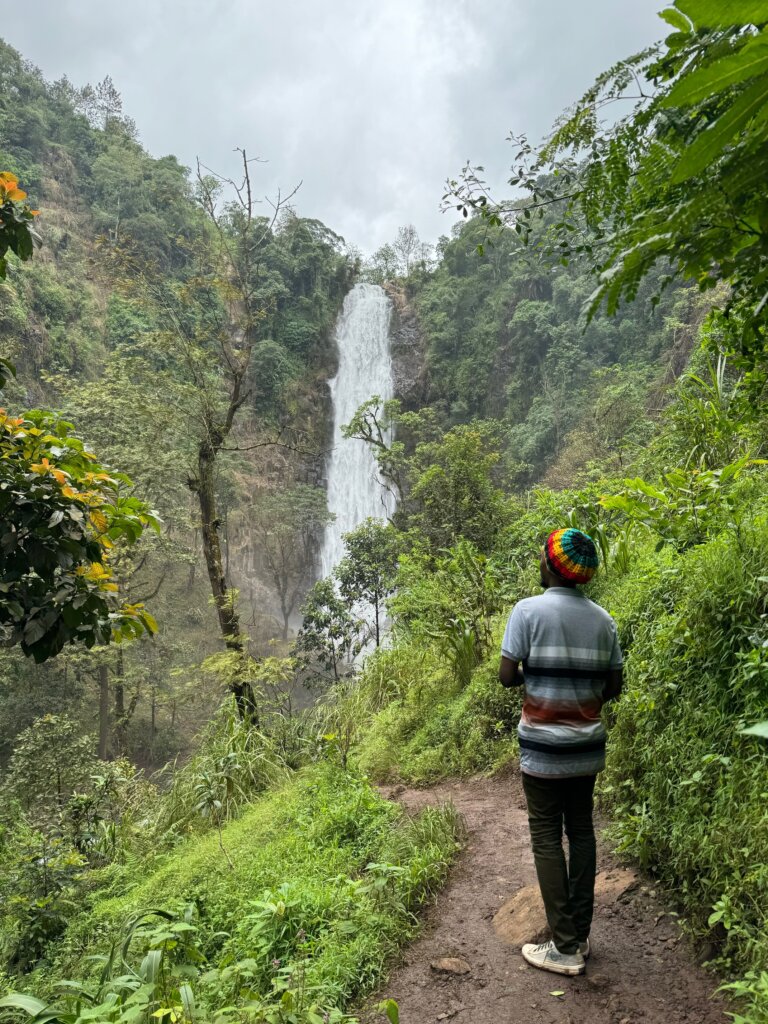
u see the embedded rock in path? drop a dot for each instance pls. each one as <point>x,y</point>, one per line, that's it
<point>451,965</point>
<point>522,918</point>
<point>611,884</point>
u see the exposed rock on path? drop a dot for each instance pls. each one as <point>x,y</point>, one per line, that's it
<point>642,971</point>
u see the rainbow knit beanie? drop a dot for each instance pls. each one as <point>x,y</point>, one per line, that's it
<point>572,555</point>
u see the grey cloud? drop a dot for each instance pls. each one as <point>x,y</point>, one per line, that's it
<point>371,105</point>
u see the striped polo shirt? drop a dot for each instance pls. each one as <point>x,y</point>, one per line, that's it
<point>566,644</point>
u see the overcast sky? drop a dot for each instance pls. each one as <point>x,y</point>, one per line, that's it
<point>371,105</point>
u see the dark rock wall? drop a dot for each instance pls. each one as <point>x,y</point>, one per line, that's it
<point>408,351</point>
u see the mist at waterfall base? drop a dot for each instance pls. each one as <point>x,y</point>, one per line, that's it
<point>355,490</point>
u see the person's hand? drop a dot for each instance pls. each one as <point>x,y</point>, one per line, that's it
<point>510,673</point>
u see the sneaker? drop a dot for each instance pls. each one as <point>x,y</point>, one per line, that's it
<point>549,958</point>
<point>584,949</point>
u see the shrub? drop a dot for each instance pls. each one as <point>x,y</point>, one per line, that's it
<point>686,788</point>
<point>439,728</point>
<point>319,887</point>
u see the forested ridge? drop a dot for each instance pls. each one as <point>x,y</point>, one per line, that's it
<point>90,338</point>
<point>192,727</point>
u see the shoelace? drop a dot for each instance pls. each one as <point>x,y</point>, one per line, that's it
<point>543,947</point>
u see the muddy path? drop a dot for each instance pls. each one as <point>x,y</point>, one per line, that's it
<point>642,969</point>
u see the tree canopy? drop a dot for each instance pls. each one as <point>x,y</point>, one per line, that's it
<point>62,515</point>
<point>677,182</point>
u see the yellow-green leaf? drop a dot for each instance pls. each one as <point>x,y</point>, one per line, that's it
<point>675,19</point>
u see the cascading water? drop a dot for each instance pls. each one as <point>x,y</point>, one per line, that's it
<point>355,491</point>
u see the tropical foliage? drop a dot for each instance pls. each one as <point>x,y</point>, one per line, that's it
<point>675,183</point>
<point>16,217</point>
<point>62,516</point>
<point>262,876</point>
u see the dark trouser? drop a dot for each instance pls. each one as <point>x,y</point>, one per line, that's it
<point>568,891</point>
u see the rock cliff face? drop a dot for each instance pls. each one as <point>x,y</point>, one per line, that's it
<point>408,350</point>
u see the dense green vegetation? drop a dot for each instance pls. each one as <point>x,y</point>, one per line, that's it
<point>505,339</point>
<point>114,325</point>
<point>684,574</point>
<point>263,877</point>
<point>288,913</point>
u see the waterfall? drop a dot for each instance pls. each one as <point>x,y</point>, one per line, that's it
<point>355,491</point>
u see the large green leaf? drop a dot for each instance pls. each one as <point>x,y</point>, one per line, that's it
<point>723,13</point>
<point>187,1001</point>
<point>151,965</point>
<point>760,729</point>
<point>710,143</point>
<point>750,61</point>
<point>18,1001</point>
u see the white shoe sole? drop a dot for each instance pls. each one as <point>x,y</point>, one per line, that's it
<point>555,968</point>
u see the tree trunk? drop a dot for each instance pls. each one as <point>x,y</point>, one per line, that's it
<point>103,712</point>
<point>229,621</point>
<point>120,719</point>
<point>193,563</point>
<point>225,535</point>
<point>286,613</point>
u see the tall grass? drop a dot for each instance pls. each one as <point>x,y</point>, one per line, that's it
<point>320,885</point>
<point>232,765</point>
<point>437,727</point>
<point>689,792</point>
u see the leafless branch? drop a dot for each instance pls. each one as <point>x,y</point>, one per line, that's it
<point>274,443</point>
<point>155,590</point>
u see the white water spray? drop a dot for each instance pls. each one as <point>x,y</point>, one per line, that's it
<point>355,491</point>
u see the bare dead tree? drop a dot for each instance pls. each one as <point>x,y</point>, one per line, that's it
<point>217,349</point>
<point>406,246</point>
<point>239,239</point>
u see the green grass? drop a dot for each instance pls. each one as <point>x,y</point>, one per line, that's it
<point>687,793</point>
<point>436,728</point>
<point>325,882</point>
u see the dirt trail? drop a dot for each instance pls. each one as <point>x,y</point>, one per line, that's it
<point>642,971</point>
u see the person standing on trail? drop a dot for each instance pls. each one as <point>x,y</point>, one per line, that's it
<point>564,650</point>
